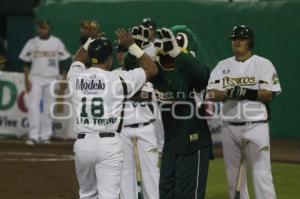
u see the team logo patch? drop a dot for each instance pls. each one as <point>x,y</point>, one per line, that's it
<point>275,79</point>
<point>93,76</point>
<point>94,60</point>
<point>264,149</point>
<point>226,71</point>
<point>194,137</point>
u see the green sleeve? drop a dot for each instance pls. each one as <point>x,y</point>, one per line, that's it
<point>190,66</point>
<point>130,62</point>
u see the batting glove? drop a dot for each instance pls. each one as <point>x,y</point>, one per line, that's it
<point>237,92</point>
<point>140,35</point>
<point>167,42</point>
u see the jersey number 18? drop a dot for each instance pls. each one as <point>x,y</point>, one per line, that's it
<point>97,109</point>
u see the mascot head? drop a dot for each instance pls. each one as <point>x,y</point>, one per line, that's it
<point>186,40</point>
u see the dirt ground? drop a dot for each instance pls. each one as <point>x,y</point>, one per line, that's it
<point>39,172</point>
<point>47,171</point>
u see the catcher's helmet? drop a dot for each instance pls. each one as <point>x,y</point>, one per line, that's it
<point>99,50</point>
<point>243,32</point>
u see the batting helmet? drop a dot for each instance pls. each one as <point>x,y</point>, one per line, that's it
<point>149,23</point>
<point>243,32</point>
<point>99,50</point>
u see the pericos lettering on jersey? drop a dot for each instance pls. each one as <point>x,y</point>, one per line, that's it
<point>240,81</point>
<point>89,85</point>
<point>39,54</point>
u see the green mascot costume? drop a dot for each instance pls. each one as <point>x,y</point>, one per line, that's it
<point>187,147</point>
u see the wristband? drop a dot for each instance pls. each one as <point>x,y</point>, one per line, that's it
<point>135,50</point>
<point>87,43</point>
<point>250,94</point>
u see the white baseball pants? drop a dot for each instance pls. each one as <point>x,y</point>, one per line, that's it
<point>257,156</point>
<point>98,163</point>
<point>148,156</point>
<point>40,122</point>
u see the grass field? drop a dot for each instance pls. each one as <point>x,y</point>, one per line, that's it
<point>286,179</point>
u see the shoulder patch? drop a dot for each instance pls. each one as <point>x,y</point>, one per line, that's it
<point>275,79</point>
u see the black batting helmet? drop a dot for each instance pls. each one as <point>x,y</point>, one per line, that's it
<point>243,32</point>
<point>99,50</point>
<point>149,23</point>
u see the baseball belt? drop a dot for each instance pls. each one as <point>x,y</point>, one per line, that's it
<point>246,123</point>
<point>139,124</point>
<point>101,135</point>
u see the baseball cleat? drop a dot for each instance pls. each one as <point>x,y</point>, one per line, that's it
<point>30,142</point>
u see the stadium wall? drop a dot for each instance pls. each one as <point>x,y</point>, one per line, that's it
<point>275,24</point>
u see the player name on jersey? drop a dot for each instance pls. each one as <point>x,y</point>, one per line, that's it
<point>89,85</point>
<point>95,121</point>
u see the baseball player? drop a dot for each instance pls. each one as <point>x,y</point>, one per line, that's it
<point>187,144</point>
<point>150,50</point>
<point>43,54</point>
<point>151,25</point>
<point>245,83</point>
<point>120,55</point>
<point>139,125</point>
<point>98,98</point>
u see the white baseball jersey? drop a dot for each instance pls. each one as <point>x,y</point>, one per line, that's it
<point>44,55</point>
<point>137,112</point>
<point>254,73</point>
<point>98,96</point>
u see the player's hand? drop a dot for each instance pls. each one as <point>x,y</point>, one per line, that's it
<point>125,38</point>
<point>237,92</point>
<point>28,85</point>
<point>141,35</point>
<point>94,30</point>
<point>167,42</point>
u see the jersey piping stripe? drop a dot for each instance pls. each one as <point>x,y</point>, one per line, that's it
<point>125,98</point>
<point>262,82</point>
<point>198,173</point>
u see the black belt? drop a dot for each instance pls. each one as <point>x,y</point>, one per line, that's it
<point>246,123</point>
<point>139,124</point>
<point>102,135</point>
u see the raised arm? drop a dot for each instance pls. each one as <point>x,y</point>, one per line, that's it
<point>144,60</point>
<point>94,32</point>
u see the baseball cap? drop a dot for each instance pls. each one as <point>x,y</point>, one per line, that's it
<point>43,23</point>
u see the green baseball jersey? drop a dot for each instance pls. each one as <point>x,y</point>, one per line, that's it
<point>174,90</point>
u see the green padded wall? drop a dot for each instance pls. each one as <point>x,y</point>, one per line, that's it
<point>276,25</point>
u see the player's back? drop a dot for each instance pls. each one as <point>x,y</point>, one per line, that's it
<point>98,97</point>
